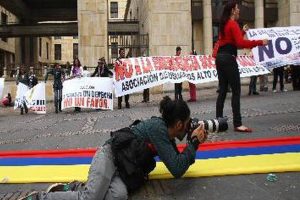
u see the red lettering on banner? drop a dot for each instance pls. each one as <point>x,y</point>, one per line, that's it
<point>128,71</point>
<point>159,63</point>
<point>244,61</point>
<point>79,102</point>
<point>147,67</point>
<point>185,64</point>
<point>123,70</point>
<point>38,108</point>
<point>193,63</point>
<point>207,62</point>
<point>97,103</point>
<point>251,61</point>
<point>68,102</point>
<point>120,71</point>
<point>138,70</point>
<point>177,63</point>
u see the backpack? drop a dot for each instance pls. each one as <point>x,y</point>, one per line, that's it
<point>133,158</point>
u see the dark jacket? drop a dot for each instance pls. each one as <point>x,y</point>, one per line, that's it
<point>58,75</point>
<point>102,71</point>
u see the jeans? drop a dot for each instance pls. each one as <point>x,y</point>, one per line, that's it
<point>228,73</point>
<point>103,181</point>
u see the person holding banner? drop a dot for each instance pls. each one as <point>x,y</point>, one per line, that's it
<point>151,137</point>
<point>59,76</point>
<point>178,86</point>
<point>23,77</point>
<point>76,71</point>
<point>230,39</point>
<point>122,55</point>
<point>102,70</point>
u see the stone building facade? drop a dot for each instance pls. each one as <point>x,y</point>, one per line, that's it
<point>7,45</point>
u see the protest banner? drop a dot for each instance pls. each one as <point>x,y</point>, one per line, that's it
<point>135,74</point>
<point>1,86</point>
<point>88,92</point>
<point>20,95</point>
<point>36,99</point>
<point>283,47</point>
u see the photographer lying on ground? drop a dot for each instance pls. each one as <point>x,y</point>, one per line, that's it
<point>113,171</point>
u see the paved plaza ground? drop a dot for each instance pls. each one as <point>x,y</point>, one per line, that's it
<point>269,114</point>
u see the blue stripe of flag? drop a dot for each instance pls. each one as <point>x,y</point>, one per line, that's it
<point>222,153</point>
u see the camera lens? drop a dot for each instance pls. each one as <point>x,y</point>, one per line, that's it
<point>215,125</point>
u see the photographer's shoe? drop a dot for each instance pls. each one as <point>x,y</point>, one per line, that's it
<point>32,196</point>
<point>63,187</point>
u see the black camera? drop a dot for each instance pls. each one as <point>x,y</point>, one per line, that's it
<point>211,125</point>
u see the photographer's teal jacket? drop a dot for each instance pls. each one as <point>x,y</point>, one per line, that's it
<point>155,131</point>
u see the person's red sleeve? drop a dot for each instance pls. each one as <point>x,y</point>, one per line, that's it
<point>240,42</point>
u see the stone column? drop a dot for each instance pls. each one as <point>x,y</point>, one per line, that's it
<point>18,51</point>
<point>259,23</point>
<point>294,12</point>
<point>259,14</point>
<point>207,27</point>
<point>92,30</point>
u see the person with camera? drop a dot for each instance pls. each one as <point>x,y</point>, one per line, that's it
<point>225,51</point>
<point>123,163</point>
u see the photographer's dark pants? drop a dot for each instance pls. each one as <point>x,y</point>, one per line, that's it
<point>178,91</point>
<point>228,73</point>
<point>278,72</point>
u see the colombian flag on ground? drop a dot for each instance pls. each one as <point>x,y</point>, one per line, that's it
<point>212,159</point>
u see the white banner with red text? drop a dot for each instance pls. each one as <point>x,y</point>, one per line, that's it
<point>135,74</point>
<point>283,47</point>
<point>88,92</point>
<point>34,98</point>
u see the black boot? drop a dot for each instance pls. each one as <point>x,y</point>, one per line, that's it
<point>59,106</point>
<point>26,108</point>
<point>56,106</point>
<point>22,112</point>
<point>119,102</point>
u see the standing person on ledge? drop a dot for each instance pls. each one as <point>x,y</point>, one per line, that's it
<point>230,39</point>
<point>122,55</point>
<point>178,86</point>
